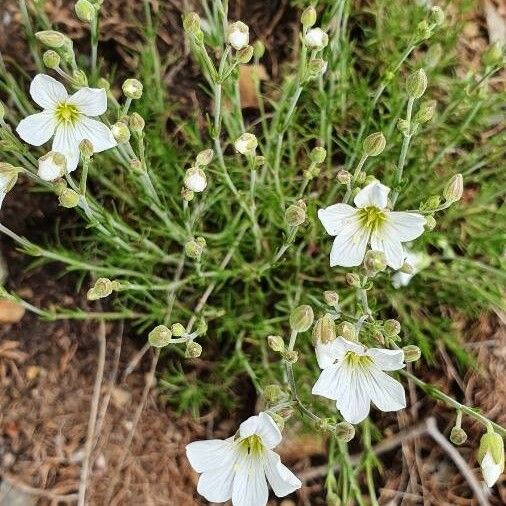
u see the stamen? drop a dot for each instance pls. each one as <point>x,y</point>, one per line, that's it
<point>252,445</point>
<point>67,113</point>
<point>356,360</point>
<point>371,217</point>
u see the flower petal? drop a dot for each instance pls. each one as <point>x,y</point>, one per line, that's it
<point>280,478</point>
<point>386,393</point>
<point>387,360</point>
<point>328,353</point>
<point>250,485</point>
<point>90,101</point>
<point>353,400</point>
<point>390,245</point>
<point>374,194</point>
<point>216,485</point>
<point>326,385</point>
<point>490,470</point>
<point>264,426</point>
<point>405,226</point>
<point>99,134</point>
<point>37,128</point>
<point>335,217</point>
<point>208,455</point>
<point>47,92</point>
<point>66,141</point>
<point>349,246</point>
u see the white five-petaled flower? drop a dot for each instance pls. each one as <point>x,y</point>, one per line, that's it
<point>239,467</point>
<point>67,118</point>
<point>369,222</point>
<point>354,376</point>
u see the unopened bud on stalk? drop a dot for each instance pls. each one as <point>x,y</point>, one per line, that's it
<point>301,318</point>
<point>347,331</point>
<point>316,39</point>
<point>195,179</point>
<point>412,353</point>
<point>353,279</point>
<point>79,78</point>
<point>273,394</point>
<point>374,262</point>
<point>324,329</point>
<point>318,155</point>
<point>51,59</point>
<point>120,132</point>
<point>433,55</point>
<point>85,11</point>
<point>245,54</point>
<point>344,431</point>
<point>416,84</point>
<point>204,158</point>
<point>132,88</point>
<point>316,67</point>
<point>308,17</point>
<point>426,111</point>
<point>295,214</point>
<point>343,176</point>
<point>102,288</point>
<point>458,436</point>
<point>160,336</point>
<point>177,329</point>
<point>195,247</point>
<point>430,222</point>
<point>51,166</point>
<point>291,356</point>
<point>238,35</point>
<point>331,297</point>
<point>201,328</point>
<point>52,39</point>
<point>404,126</point>
<point>259,161</point>
<point>191,23</point>
<point>246,144</point>
<point>392,327</point>
<point>258,49</point>
<point>276,343</point>
<point>423,30</point>
<point>68,198</point>
<point>437,15</point>
<point>374,144</point>
<point>491,456</point>
<point>454,189</point>
<point>193,350</point>
<point>136,122</point>
<point>86,148</point>
<point>186,194</point>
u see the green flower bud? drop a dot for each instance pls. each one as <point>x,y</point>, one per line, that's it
<point>318,155</point>
<point>404,126</point>
<point>308,17</point>
<point>258,49</point>
<point>347,331</point>
<point>245,54</point>
<point>160,336</point>
<point>360,179</point>
<point>193,350</point>
<point>316,67</point>
<point>246,144</point>
<point>85,11</point>
<point>333,499</point>
<point>392,327</point>
<point>9,174</point>
<point>79,78</point>
<point>52,39</point>
<point>458,436</point>
<point>276,343</point>
<point>136,122</point>
<point>177,329</point>
<point>103,288</point>
<point>412,353</point>
<point>301,318</point>
<point>204,158</point>
<point>353,279</point>
<point>407,268</point>
<point>374,262</point>
<point>344,431</point>
<point>493,55</point>
<point>273,394</point>
<point>343,176</point>
<point>423,30</point>
<point>416,84</point>
<point>187,194</point>
<point>374,144</point>
<point>431,203</point>
<point>132,88</point>
<point>195,247</point>
<point>259,161</point>
<point>437,15</point>
<point>433,55</point>
<point>86,148</point>
<point>430,222</point>
<point>201,327</point>
<point>454,189</point>
<point>191,23</point>
<point>51,59</point>
<point>120,132</point>
<point>331,297</point>
<point>324,330</point>
<point>491,456</point>
<point>68,198</point>
<point>291,357</point>
<point>426,111</point>
<point>104,84</point>
<point>295,214</point>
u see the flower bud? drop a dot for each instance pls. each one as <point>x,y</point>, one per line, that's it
<point>52,39</point>
<point>193,350</point>
<point>416,84</point>
<point>246,144</point>
<point>331,297</point>
<point>273,394</point>
<point>343,176</point>
<point>353,279</point>
<point>258,49</point>
<point>374,144</point>
<point>318,155</point>
<point>412,353</point>
<point>374,262</point>
<point>136,122</point>
<point>316,39</point>
<point>102,288</point>
<point>191,23</point>
<point>160,336</point>
<point>245,54</point>
<point>201,328</point>
<point>430,222</point>
<point>132,88</point>
<point>423,30</point>
<point>195,179</point>
<point>177,329</point>
<point>295,215</point>
<point>104,84</point>
<point>407,268</point>
<point>259,161</point>
<point>458,436</point>
<point>120,132</point>
<point>79,78</point>
<point>136,166</point>
<point>491,456</point>
<point>204,158</point>
<point>437,15</point>
<point>308,17</point>
<point>51,166</point>
<point>291,356</point>
<point>426,111</point>
<point>68,198</point>
<point>85,11</point>
<point>433,55</point>
<point>493,54</point>
<point>195,247</point>
<point>86,148</point>
<point>324,330</point>
<point>454,189</point>
<point>187,195</point>
<point>276,343</point>
<point>404,126</point>
<point>392,327</point>
<point>301,318</point>
<point>316,67</point>
<point>278,420</point>
<point>346,330</point>
<point>238,35</point>
<point>51,59</point>
<point>344,431</point>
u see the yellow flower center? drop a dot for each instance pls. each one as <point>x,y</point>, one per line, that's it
<point>371,217</point>
<point>67,113</point>
<point>356,360</point>
<point>252,445</point>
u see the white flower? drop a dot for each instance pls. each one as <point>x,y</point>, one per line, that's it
<point>238,35</point>
<point>353,376</point>
<point>491,456</point>
<point>370,222</point>
<point>239,467</point>
<point>67,118</point>
<point>51,166</point>
<point>246,144</point>
<point>417,260</point>
<point>316,38</point>
<point>195,179</point>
